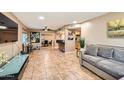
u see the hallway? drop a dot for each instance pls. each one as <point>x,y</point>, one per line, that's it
<point>51,64</point>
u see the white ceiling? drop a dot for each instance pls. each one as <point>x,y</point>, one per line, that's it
<point>54,20</point>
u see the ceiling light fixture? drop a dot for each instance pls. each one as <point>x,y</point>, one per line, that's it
<point>41,18</point>
<point>74,22</point>
<point>46,29</point>
<point>3,27</point>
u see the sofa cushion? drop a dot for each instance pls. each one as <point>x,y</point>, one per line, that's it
<point>114,68</point>
<point>91,50</point>
<point>118,55</point>
<point>105,52</point>
<point>92,59</point>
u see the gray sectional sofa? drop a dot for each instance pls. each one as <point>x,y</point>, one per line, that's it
<point>105,61</point>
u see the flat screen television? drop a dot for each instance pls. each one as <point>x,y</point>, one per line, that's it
<point>8,30</point>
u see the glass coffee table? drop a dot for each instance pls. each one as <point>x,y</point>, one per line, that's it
<point>14,68</point>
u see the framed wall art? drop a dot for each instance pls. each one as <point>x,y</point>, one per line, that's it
<point>116,28</point>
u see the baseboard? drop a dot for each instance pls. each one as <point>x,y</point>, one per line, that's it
<point>71,52</point>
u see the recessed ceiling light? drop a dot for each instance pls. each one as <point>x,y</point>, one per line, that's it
<point>74,22</point>
<point>41,17</point>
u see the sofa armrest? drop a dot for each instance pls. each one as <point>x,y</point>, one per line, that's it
<point>81,53</point>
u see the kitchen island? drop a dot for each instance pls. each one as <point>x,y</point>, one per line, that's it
<point>61,45</point>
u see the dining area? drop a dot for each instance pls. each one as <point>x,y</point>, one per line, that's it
<point>46,43</point>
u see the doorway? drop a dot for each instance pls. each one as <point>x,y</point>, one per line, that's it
<point>77,35</point>
<point>77,38</point>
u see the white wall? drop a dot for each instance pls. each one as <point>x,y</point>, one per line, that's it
<point>69,44</point>
<point>95,31</point>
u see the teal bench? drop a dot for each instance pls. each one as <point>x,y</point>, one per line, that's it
<point>15,68</point>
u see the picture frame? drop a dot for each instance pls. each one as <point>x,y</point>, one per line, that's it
<point>115,28</point>
<point>35,37</point>
<point>70,35</point>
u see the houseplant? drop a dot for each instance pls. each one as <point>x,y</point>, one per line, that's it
<point>82,43</point>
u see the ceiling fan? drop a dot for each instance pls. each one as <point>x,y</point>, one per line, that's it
<point>47,29</point>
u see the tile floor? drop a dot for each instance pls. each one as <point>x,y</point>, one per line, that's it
<point>51,64</point>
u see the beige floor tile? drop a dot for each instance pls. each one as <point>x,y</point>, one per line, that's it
<point>51,64</point>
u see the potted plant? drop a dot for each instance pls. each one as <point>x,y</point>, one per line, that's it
<point>82,43</point>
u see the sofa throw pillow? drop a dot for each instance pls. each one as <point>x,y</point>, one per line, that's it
<point>105,52</point>
<point>91,50</point>
<point>118,55</point>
